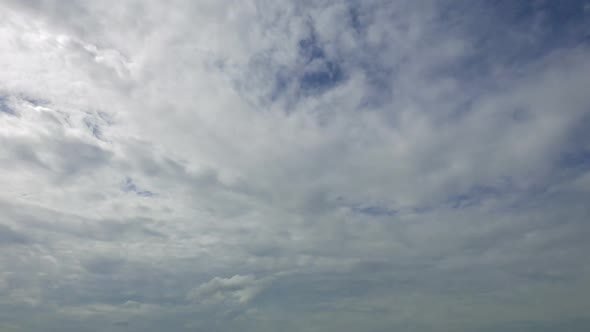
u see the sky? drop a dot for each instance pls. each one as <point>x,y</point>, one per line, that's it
<point>274,165</point>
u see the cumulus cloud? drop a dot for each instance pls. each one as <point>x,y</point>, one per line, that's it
<point>315,165</point>
<point>240,289</point>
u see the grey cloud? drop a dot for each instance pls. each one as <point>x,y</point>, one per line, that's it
<point>44,221</point>
<point>573,325</point>
<point>9,236</point>
<point>104,265</point>
<point>295,166</point>
<point>79,156</point>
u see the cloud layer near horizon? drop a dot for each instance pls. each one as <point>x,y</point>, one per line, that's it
<point>294,165</point>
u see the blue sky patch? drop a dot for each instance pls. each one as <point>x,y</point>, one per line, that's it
<point>129,186</point>
<point>319,73</point>
<point>4,108</point>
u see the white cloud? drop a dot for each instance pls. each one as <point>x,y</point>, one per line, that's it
<point>371,159</point>
<point>239,289</point>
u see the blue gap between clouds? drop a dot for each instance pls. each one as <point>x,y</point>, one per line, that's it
<point>130,187</point>
<point>511,34</point>
<point>575,153</point>
<point>317,72</point>
<point>474,196</point>
<point>375,211</point>
<point>328,74</point>
<point>313,74</point>
<point>94,128</point>
<point>4,107</point>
